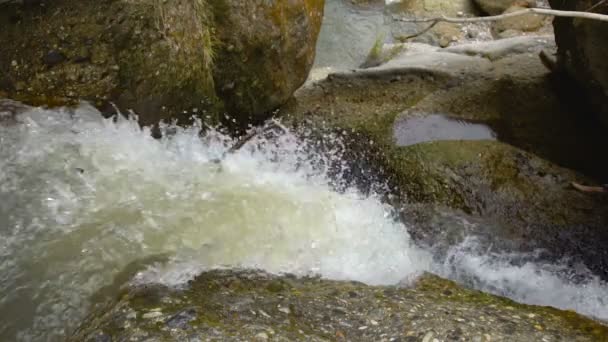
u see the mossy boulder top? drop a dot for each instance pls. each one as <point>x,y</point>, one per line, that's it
<point>162,59</point>
<point>253,306</point>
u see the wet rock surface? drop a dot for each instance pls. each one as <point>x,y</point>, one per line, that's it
<point>247,305</point>
<point>520,184</point>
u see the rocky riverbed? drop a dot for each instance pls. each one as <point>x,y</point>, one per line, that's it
<point>409,173</point>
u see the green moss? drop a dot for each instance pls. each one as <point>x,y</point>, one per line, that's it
<point>239,304</point>
<point>187,28</point>
<point>276,286</point>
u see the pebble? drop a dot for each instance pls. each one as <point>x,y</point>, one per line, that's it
<point>182,319</point>
<point>428,336</point>
<point>53,58</point>
<point>262,336</point>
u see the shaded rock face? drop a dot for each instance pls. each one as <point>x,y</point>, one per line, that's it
<point>583,51</point>
<point>267,51</point>
<point>252,306</point>
<point>162,59</point>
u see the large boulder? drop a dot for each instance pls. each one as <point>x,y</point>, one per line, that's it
<point>268,48</point>
<point>252,306</point>
<point>583,51</point>
<point>163,59</point>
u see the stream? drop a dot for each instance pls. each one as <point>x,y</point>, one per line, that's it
<point>82,197</point>
<point>90,204</point>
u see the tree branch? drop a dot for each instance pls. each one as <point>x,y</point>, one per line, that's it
<point>242,141</point>
<point>596,6</point>
<point>539,11</point>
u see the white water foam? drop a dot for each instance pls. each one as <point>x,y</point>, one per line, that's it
<point>81,198</point>
<point>525,278</point>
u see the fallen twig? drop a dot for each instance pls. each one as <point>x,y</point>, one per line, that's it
<point>243,140</point>
<point>403,39</point>
<point>248,137</point>
<point>596,6</point>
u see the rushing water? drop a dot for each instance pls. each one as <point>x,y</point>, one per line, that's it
<point>83,197</point>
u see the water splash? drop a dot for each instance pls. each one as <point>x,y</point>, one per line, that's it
<point>82,197</point>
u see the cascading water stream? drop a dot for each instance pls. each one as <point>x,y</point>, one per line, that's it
<point>82,197</point>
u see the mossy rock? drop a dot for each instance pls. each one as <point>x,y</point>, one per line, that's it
<point>162,59</point>
<point>267,50</point>
<point>135,54</point>
<point>249,305</point>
